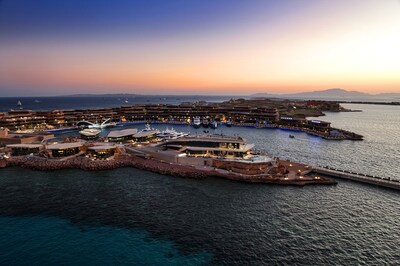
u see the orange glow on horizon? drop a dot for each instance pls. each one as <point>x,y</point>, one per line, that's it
<point>305,53</point>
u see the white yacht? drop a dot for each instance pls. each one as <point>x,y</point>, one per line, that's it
<point>147,128</point>
<point>196,122</point>
<point>171,134</point>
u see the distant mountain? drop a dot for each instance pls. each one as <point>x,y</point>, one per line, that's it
<point>332,94</point>
<point>263,94</point>
<point>120,95</point>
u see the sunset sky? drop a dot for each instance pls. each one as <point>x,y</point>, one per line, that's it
<point>211,47</point>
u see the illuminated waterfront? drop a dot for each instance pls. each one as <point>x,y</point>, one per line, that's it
<point>348,223</point>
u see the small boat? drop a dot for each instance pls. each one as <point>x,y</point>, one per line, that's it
<point>228,123</point>
<point>19,104</point>
<point>213,124</point>
<point>90,133</point>
<point>291,136</point>
<point>205,123</point>
<point>196,122</point>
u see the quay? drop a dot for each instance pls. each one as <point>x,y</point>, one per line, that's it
<point>368,179</point>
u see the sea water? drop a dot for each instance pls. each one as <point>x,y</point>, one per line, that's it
<point>133,217</point>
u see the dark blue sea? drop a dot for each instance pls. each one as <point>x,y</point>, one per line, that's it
<point>132,217</point>
<point>87,102</point>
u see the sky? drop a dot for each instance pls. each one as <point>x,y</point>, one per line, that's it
<point>207,47</point>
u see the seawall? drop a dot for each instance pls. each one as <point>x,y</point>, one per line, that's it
<point>83,163</point>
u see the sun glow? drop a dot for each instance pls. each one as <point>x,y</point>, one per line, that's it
<point>316,48</point>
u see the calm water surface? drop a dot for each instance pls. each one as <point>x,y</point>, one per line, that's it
<point>132,217</point>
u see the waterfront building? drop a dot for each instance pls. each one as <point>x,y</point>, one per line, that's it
<point>293,121</point>
<point>214,151</point>
<point>22,120</point>
<point>122,135</point>
<point>220,112</point>
<point>20,138</point>
<point>90,133</point>
<point>319,125</point>
<point>64,149</point>
<point>4,132</point>
<point>25,149</point>
<point>102,151</point>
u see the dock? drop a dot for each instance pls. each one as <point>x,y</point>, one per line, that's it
<point>373,180</point>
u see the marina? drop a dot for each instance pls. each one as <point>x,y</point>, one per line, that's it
<point>260,113</point>
<point>199,132</point>
<point>148,136</point>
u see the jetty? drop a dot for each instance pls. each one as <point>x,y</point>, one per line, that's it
<point>363,178</point>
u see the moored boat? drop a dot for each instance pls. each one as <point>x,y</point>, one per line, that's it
<point>196,122</point>
<point>147,128</point>
<point>171,134</point>
<point>205,122</point>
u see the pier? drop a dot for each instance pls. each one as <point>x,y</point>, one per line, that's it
<point>373,180</point>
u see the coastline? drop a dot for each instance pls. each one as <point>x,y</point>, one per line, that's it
<point>156,166</point>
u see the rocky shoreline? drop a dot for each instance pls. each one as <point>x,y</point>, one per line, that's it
<point>156,166</point>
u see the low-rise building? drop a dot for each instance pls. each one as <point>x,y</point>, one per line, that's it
<point>25,149</point>
<point>122,135</point>
<point>64,149</point>
<point>102,151</point>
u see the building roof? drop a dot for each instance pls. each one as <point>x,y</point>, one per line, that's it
<point>122,133</point>
<point>102,147</point>
<point>62,146</point>
<point>28,146</point>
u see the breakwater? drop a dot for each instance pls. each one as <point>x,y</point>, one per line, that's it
<point>83,163</point>
<point>368,179</point>
<point>157,166</point>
